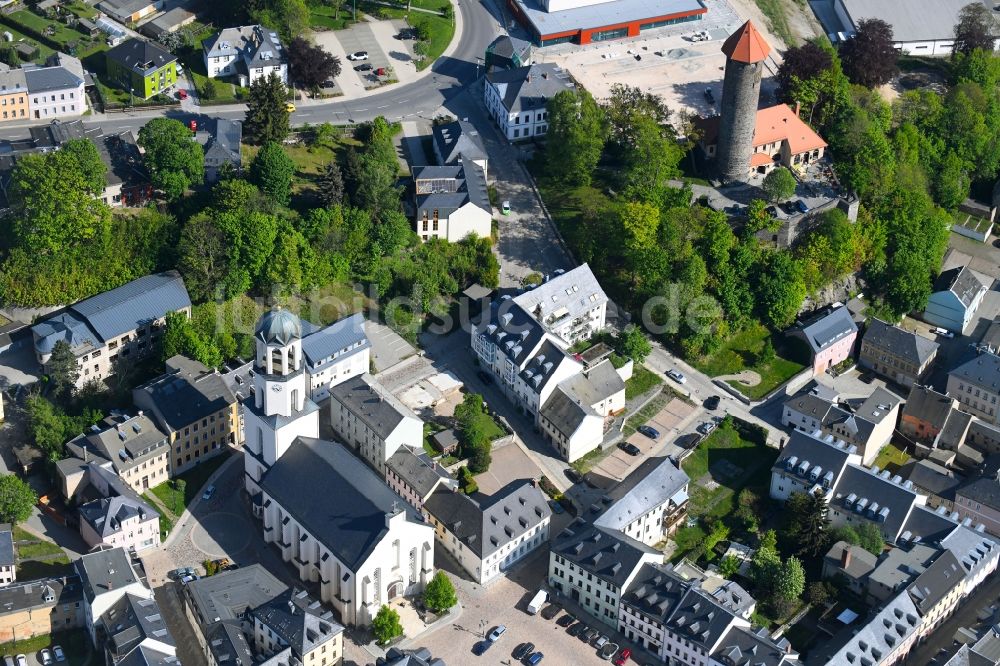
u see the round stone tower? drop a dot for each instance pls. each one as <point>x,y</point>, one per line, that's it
<point>745,52</point>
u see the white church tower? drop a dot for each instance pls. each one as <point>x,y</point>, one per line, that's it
<point>279,409</point>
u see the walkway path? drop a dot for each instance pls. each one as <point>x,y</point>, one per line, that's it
<point>746,377</point>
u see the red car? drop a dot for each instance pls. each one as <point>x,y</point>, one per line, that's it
<point>623,656</point>
<point>182,94</point>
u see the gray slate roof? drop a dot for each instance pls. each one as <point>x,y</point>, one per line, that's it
<point>106,515</point>
<point>418,657</point>
<point>351,520</point>
<point>331,343</point>
<point>222,143</point>
<point>982,371</point>
<point>937,580</point>
<point>973,548</point>
<point>911,20</point>
<point>931,478</point>
<point>900,342</point>
<point>515,333</point>
<point>742,646</point>
<point>132,620</point>
<point>607,554</point>
<point>98,569</point>
<point>256,45</point>
<point>7,557</point>
<point>228,645</point>
<point>928,405</point>
<point>45,592</point>
<point>654,482</point>
<point>125,441</point>
<point>926,525</point>
<point>456,139</point>
<point>418,471</point>
<point>228,595</point>
<point>485,528</point>
<point>187,393</point>
<point>700,618</point>
<point>372,404</point>
<point>984,490</point>
<point>300,622</point>
<point>862,562</point>
<point>530,87</point>
<point>829,456</point>
<point>893,501</point>
<point>141,56</point>
<point>563,411</point>
<point>465,183</point>
<point>569,295</point>
<point>962,282</point>
<point>829,329</point>
<point>898,619</point>
<point>147,656</point>
<point>44,79</point>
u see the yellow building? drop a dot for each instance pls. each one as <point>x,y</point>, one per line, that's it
<point>13,96</point>
<point>40,607</point>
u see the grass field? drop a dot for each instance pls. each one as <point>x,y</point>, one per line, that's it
<point>740,352</point>
<point>194,480</point>
<point>321,16</point>
<point>777,17</point>
<point>891,458</point>
<point>642,380</point>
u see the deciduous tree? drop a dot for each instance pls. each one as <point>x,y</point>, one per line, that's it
<point>974,29</point>
<point>633,343</point>
<point>16,499</point>
<point>174,158</point>
<point>869,57</point>
<point>310,65</point>
<point>439,595</point>
<point>779,185</point>
<point>386,625</point>
<point>870,538</point>
<point>575,138</point>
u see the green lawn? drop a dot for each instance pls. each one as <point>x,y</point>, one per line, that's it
<point>74,643</point>
<point>646,413</point>
<point>970,222</point>
<point>740,352</point>
<point>225,92</point>
<point>440,29</point>
<point>81,9</point>
<point>321,16</point>
<point>194,478</point>
<point>43,50</point>
<point>642,380</point>
<point>36,548</point>
<point>891,458</point>
<point>71,40</point>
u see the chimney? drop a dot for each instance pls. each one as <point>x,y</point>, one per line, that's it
<point>797,106</point>
<point>845,558</point>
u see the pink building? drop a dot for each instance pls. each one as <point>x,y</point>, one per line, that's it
<point>830,337</point>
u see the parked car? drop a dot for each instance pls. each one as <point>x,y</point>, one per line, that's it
<point>8,660</point>
<point>649,431</point>
<point>607,651</point>
<point>601,642</point>
<point>677,376</point>
<point>505,208</point>
<point>629,448</point>
<point>182,94</point>
<point>484,377</point>
<point>329,83</point>
<point>707,427</point>
<point>482,646</point>
<point>550,611</point>
<point>713,402</point>
<point>578,629</point>
<point>58,652</point>
<point>179,573</point>
<point>406,33</point>
<point>522,651</point>
<point>188,578</point>
<point>566,620</point>
<point>289,107</point>
<point>709,97</point>
<point>365,67</point>
<point>45,656</point>
<point>497,632</point>
<point>801,206</point>
<point>209,493</point>
<point>943,332</point>
<point>623,656</point>
<point>358,55</point>
<point>22,660</point>
<point>573,475</point>
<point>590,635</point>
<point>535,659</point>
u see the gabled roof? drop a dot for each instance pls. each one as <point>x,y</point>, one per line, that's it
<point>343,337</point>
<point>891,501</point>
<point>780,123</point>
<point>931,478</point>
<point>941,577</point>
<point>351,519</point>
<point>223,142</point>
<point>187,393</point>
<point>900,342</point>
<point>43,79</point>
<point>106,515</point>
<point>563,297</point>
<point>982,371</point>
<point>230,594</point>
<point>7,557</point>
<point>926,525</point>
<point>298,621</point>
<point>962,282</point>
<point>105,571</point>
<point>529,87</point>
<point>458,138</point>
<point>145,655</point>
<point>565,413</point>
<point>828,329</point>
<point>974,549</point>
<point>133,620</point>
<point>926,404</point>
<point>141,56</point>
<point>416,470</point>
<point>655,482</point>
<point>746,45</point>
<point>228,645</point>
<point>372,404</point>
<point>984,490</point>
<point>891,626</point>
<point>743,646</point>
<point>607,554</point>
<point>804,454</point>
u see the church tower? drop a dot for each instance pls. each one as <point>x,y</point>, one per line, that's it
<point>279,410</point>
<point>745,52</point>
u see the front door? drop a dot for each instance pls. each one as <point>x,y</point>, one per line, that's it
<point>395,590</point>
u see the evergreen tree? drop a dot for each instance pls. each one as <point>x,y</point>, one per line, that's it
<point>272,170</point>
<point>331,185</point>
<point>267,113</point>
<point>63,369</point>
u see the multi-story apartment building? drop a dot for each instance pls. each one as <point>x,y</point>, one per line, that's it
<point>372,421</point>
<point>516,98</point>
<point>335,353</point>
<point>130,446</point>
<point>55,92</point>
<point>133,630</point>
<point>362,543</point>
<point>808,465</point>
<point>41,607</point>
<point>897,354</point>
<point>451,201</point>
<point>124,323</point>
<point>8,559</point>
<point>489,537</point>
<point>14,95</point>
<point>956,296</point>
<point>247,53</point>
<point>143,68</point>
<point>292,628</point>
<point>412,474</point>
<point>195,407</point>
<point>121,521</point>
<point>830,336</point>
<point>107,576</point>
<point>979,501</point>
<point>886,639</point>
<point>926,415</point>
<point>976,384</point>
<point>569,305</point>
<point>649,504</point>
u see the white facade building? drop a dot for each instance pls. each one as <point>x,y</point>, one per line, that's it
<point>248,52</point>
<point>516,98</point>
<point>335,354</point>
<point>55,92</point>
<point>107,576</point>
<point>570,305</point>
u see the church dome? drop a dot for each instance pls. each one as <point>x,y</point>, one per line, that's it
<point>278,327</point>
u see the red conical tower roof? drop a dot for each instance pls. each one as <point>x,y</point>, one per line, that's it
<point>746,45</point>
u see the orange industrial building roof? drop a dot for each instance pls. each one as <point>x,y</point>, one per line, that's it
<point>746,45</point>
<point>779,123</point>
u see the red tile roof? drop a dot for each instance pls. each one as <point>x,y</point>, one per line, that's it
<point>779,123</point>
<point>746,45</point>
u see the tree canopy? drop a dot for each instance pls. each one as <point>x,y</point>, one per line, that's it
<point>779,185</point>
<point>271,170</point>
<point>174,159</point>
<point>267,115</point>
<point>869,57</point>
<point>17,499</point>
<point>974,29</point>
<point>310,65</point>
<point>575,137</point>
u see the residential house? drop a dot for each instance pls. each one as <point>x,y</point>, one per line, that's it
<point>569,305</point>
<point>808,464</point>
<point>575,416</point>
<point>648,505</point>
<point>14,97</point>
<point>335,353</point>
<point>931,479</point>
<point>372,421</point>
<point>126,322</point>
<point>979,500</point>
<point>507,52</point>
<point>925,416</point>
<point>196,409</point>
<point>956,296</point>
<point>411,473</point>
<point>131,447</point>
<point>169,21</point>
<point>452,201</point>
<point>130,11</point>
<point>55,92</point>
<point>866,424</point>
<point>248,53</point>
<point>849,564</point>
<point>221,139</point>
<point>781,138</point>
<point>830,336</point>
<point>127,181</point>
<point>107,576</point>
<point>976,385</point>
<point>886,639</point>
<point>489,537</point>
<point>517,98</point>
<point>293,628</point>
<point>143,68</point>
<point>897,354</point>
<point>40,607</point>
<point>134,625</point>
<point>418,657</point>
<point>121,520</point>
<point>593,566</point>
<point>457,140</point>
<point>8,558</point>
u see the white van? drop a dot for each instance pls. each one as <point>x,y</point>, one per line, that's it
<point>537,602</point>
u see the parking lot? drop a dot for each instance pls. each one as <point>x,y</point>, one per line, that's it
<point>384,51</point>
